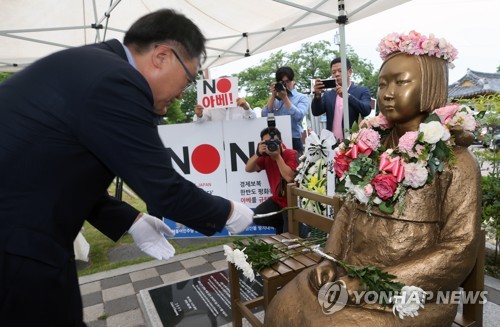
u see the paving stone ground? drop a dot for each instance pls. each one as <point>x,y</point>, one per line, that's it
<point>110,299</point>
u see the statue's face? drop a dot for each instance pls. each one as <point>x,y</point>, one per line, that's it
<point>399,89</point>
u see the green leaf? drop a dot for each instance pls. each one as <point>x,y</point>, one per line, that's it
<point>481,114</point>
<point>355,179</point>
<point>340,187</point>
<point>386,207</point>
<point>432,117</point>
<point>355,128</point>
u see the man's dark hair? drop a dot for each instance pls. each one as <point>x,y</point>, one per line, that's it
<point>284,71</point>
<point>167,25</point>
<point>338,59</point>
<point>266,130</point>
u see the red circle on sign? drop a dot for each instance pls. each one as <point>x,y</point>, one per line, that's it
<point>205,159</point>
<point>223,85</point>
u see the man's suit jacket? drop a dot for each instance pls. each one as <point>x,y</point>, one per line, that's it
<point>359,105</point>
<point>69,123</point>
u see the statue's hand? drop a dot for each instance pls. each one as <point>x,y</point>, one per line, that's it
<point>462,137</point>
<point>323,273</point>
<point>352,285</point>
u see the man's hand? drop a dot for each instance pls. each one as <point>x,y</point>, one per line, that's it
<point>198,110</point>
<point>147,232</point>
<point>241,217</point>
<point>241,102</point>
<point>318,88</point>
<point>338,89</point>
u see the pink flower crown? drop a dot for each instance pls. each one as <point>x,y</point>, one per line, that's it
<point>417,44</point>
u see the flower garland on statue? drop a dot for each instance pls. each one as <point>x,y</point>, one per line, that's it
<point>376,176</point>
<point>417,44</point>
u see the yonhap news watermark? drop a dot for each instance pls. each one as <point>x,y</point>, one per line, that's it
<point>333,297</point>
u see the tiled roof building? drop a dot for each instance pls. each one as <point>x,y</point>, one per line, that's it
<point>474,84</point>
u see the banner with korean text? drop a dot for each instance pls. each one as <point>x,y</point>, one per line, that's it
<point>217,93</point>
<point>213,155</point>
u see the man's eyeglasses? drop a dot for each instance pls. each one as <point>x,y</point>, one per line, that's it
<point>191,79</point>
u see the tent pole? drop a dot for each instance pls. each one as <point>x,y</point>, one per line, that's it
<point>342,21</point>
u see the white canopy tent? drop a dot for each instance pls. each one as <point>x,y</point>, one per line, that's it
<point>234,29</point>
<point>32,29</point>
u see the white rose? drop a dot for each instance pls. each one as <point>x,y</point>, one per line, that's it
<point>446,135</point>
<point>359,192</point>
<point>433,131</point>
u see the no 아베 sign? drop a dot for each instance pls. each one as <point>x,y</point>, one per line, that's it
<point>218,93</point>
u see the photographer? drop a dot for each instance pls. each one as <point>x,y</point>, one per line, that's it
<point>280,164</point>
<point>286,100</point>
<point>331,102</point>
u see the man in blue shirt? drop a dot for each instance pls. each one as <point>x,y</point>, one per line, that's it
<point>286,100</point>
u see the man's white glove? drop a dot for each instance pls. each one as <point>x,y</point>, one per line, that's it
<point>240,219</point>
<point>147,233</point>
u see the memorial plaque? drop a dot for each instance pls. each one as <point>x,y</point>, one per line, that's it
<point>203,301</point>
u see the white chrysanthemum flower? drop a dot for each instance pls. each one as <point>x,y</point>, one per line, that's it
<point>228,252</point>
<point>240,261</point>
<point>240,258</point>
<point>408,303</point>
<point>249,273</point>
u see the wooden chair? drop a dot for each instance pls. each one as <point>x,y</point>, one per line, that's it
<point>307,217</point>
<point>472,313</point>
<point>284,271</point>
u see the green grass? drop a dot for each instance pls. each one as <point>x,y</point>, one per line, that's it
<point>100,245</point>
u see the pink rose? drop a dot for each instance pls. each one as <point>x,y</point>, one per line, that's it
<point>368,189</point>
<point>341,164</point>
<point>445,113</point>
<point>385,185</point>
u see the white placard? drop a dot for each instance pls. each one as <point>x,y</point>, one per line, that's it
<point>217,93</point>
<point>212,155</point>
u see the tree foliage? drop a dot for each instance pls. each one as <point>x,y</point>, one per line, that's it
<point>4,76</point>
<point>174,114</point>
<point>489,108</point>
<point>188,102</point>
<point>311,61</point>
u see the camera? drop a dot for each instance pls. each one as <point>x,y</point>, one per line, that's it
<point>329,83</point>
<point>279,86</point>
<point>273,143</point>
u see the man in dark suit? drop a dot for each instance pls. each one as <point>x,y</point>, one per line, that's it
<point>69,123</point>
<point>331,102</point>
